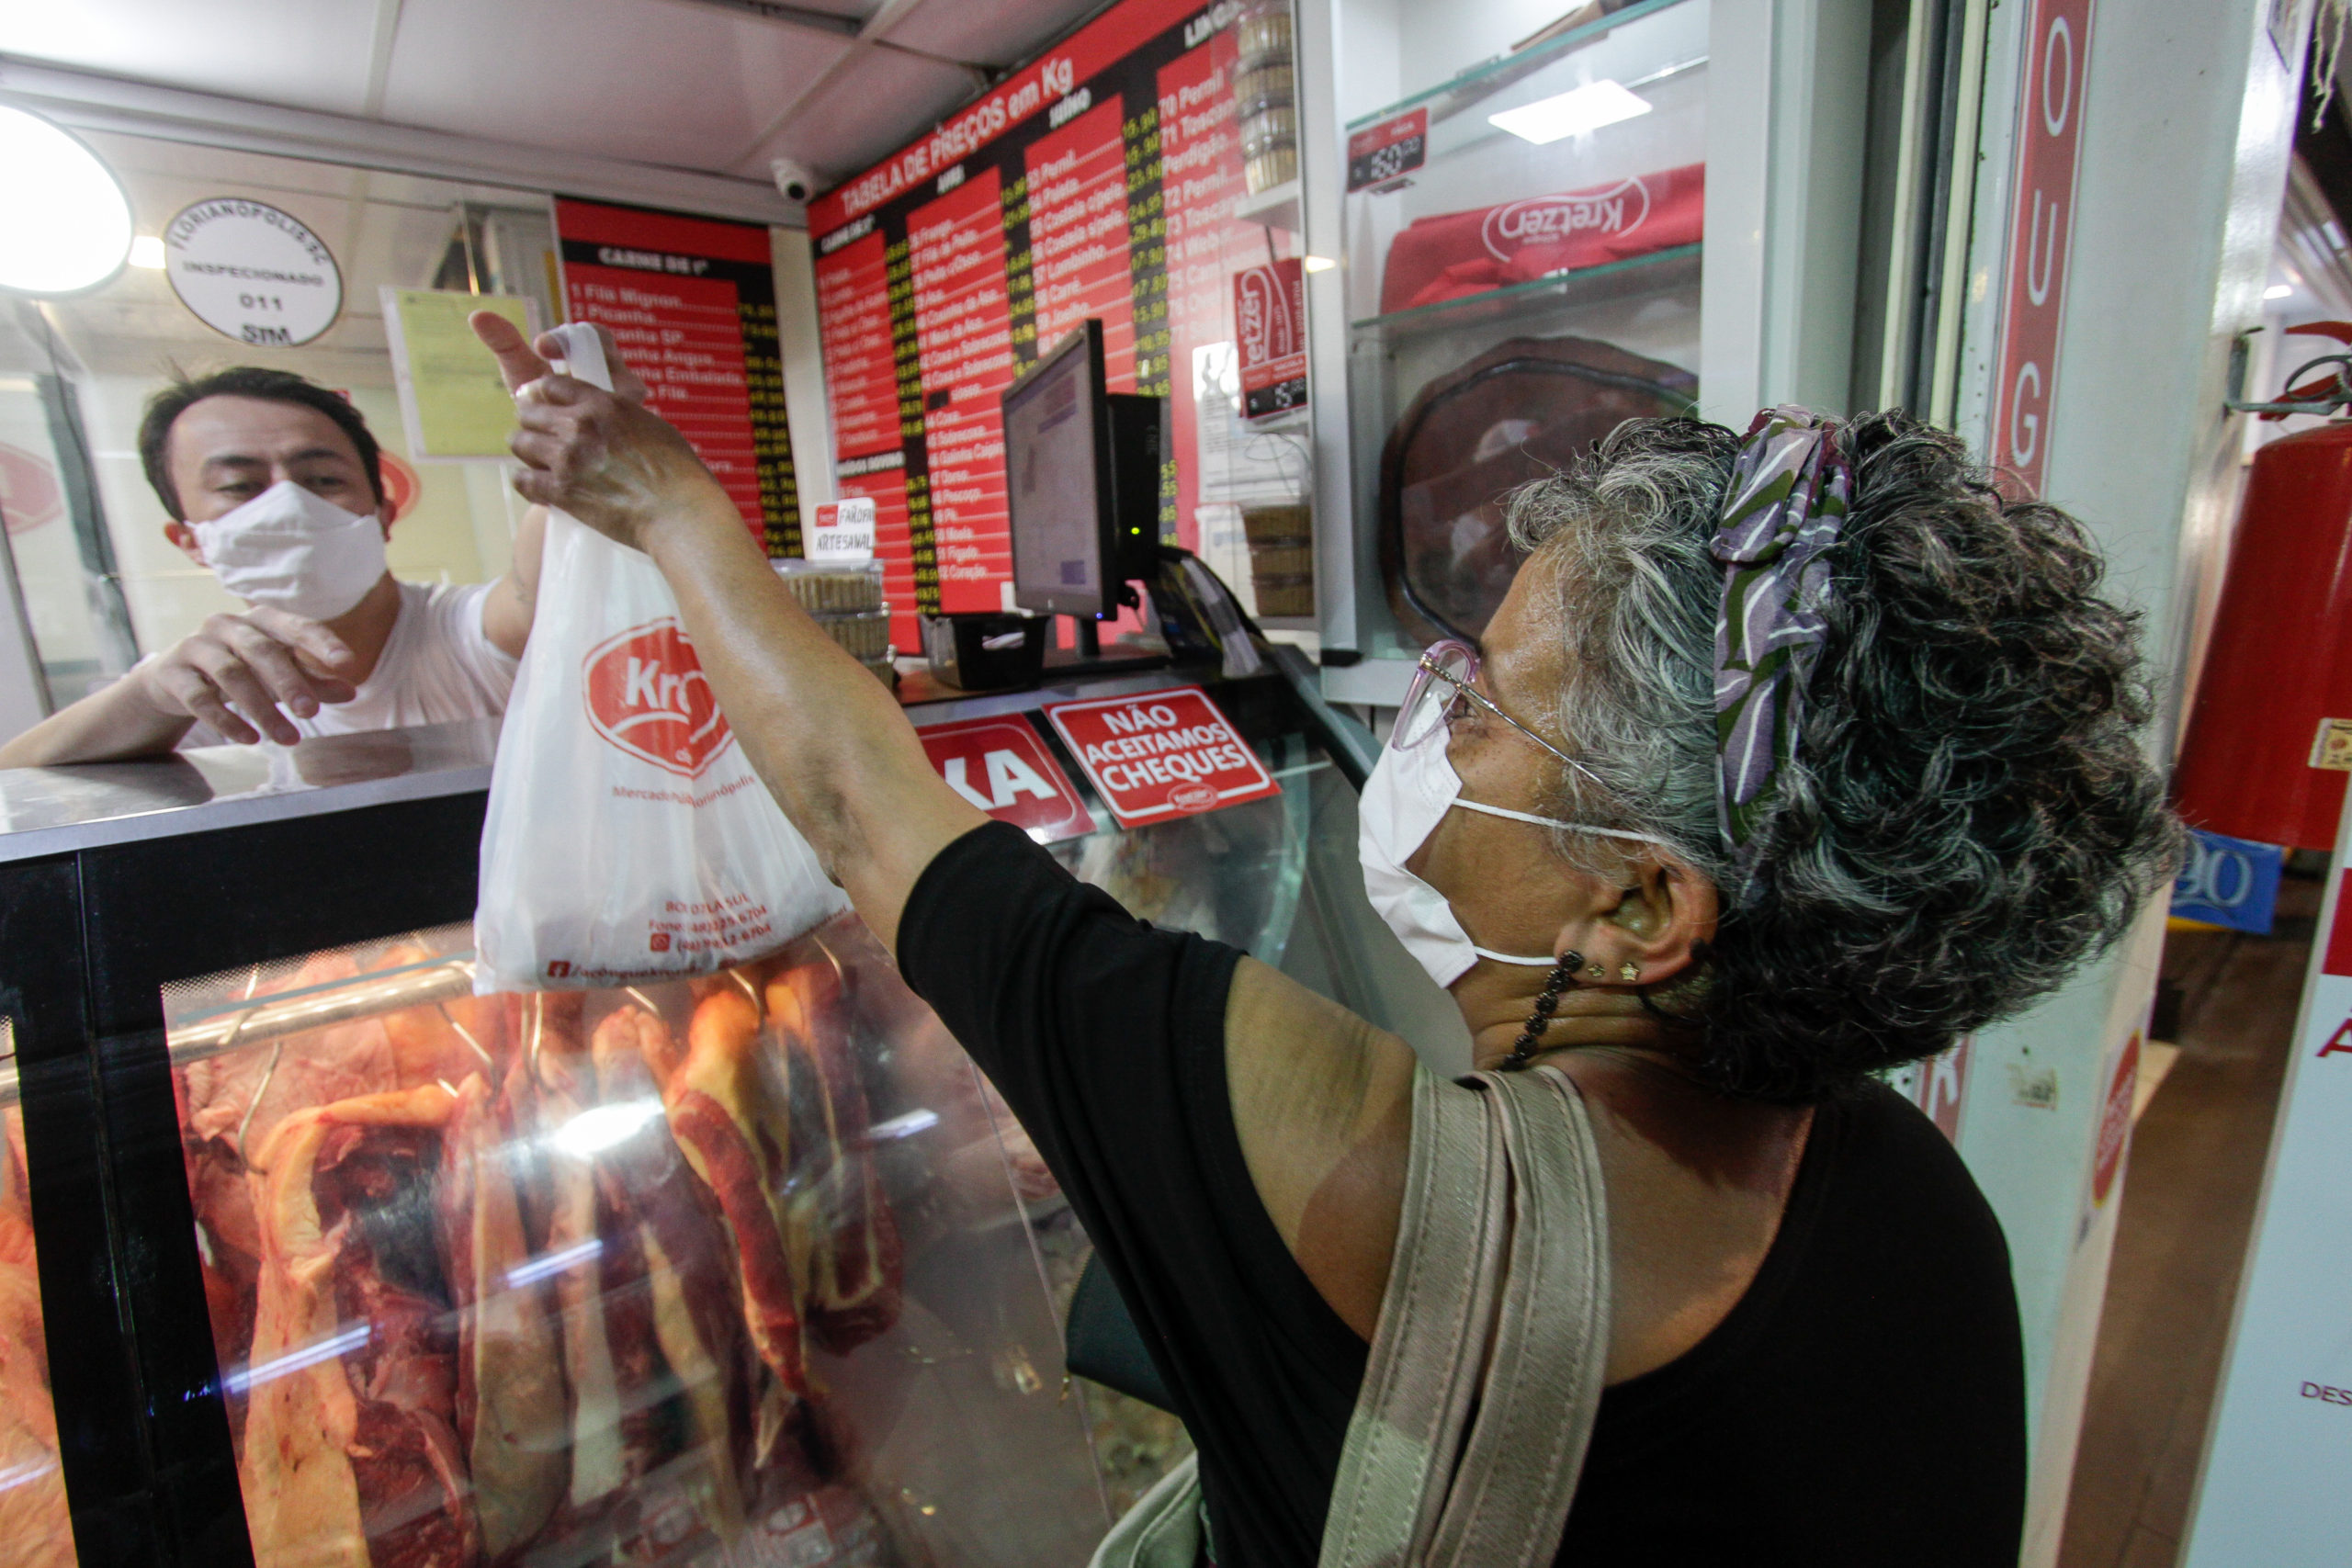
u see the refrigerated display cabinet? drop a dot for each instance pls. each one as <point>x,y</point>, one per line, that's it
<point>33,1517</point>
<point>1521,247</point>
<point>343,1263</point>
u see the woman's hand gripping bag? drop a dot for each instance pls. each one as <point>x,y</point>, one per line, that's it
<point>627,837</point>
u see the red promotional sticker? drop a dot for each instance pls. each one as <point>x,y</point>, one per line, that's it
<point>1002,766</point>
<point>1162,754</point>
<point>1451,255</point>
<point>647,695</point>
<point>2339,935</point>
<point>1269,322</point>
<point>403,485</point>
<point>1381,152</point>
<point>2115,1121</point>
<point>1943,1087</point>
<point>2042,222</point>
<point>29,494</point>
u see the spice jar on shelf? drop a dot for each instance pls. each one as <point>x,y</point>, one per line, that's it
<point>846,602</point>
<point>1262,32</point>
<point>1264,96</point>
<point>1282,558</point>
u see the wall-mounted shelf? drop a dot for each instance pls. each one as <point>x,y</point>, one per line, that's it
<point>1276,209</point>
<point>1677,267</point>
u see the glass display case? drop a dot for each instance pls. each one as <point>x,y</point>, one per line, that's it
<point>356,1267</point>
<point>34,1520</point>
<point>1523,272</point>
<point>734,1271</point>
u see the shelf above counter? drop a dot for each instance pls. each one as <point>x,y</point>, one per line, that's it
<point>1483,81</point>
<point>1659,272</point>
<point>1276,207</point>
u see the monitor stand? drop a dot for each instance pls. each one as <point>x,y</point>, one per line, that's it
<point>1088,658</point>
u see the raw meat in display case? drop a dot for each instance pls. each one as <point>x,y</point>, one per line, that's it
<point>33,1519</point>
<point>736,1270</point>
<point>465,1235</point>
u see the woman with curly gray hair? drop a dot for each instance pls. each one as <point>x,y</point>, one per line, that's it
<point>1784,761</point>
<point>1966,814</point>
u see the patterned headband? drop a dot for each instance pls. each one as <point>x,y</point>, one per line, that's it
<point>1786,504</point>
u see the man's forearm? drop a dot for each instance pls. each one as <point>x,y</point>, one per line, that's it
<point>111,726</point>
<point>829,739</point>
<point>512,602</point>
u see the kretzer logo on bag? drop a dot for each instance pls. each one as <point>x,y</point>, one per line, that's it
<point>1549,219</point>
<point>647,694</point>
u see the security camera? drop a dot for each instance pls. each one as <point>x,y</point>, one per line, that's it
<point>795,180</point>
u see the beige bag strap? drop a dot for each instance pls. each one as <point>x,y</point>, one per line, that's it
<point>1485,1370</point>
<point>1163,1528</point>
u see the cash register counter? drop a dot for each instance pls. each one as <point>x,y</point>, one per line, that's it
<point>318,1257</point>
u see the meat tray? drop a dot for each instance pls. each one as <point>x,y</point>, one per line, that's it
<point>735,1271</point>
<point>33,1519</point>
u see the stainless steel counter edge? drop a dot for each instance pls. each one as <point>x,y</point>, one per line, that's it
<point>52,811</point>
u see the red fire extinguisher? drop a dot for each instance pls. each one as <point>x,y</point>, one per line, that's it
<point>2269,741</point>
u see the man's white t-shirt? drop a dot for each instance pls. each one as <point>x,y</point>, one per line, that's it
<point>437,667</point>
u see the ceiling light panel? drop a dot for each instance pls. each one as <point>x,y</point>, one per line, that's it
<point>68,222</point>
<point>1572,113</point>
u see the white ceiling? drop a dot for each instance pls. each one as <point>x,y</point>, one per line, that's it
<point>680,83</point>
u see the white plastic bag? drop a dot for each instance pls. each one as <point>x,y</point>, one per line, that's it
<point>628,838</point>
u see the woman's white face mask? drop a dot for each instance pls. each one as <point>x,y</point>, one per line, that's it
<point>294,550</point>
<point>1407,795</point>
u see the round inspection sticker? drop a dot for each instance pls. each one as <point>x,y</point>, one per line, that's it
<point>253,273</point>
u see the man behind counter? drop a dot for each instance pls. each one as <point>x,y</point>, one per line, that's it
<point>276,484</point>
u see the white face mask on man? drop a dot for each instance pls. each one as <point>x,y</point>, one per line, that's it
<point>1407,795</point>
<point>294,550</point>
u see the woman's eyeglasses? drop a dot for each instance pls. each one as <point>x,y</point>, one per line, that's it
<point>1442,693</point>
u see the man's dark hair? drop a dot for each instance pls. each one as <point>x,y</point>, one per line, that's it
<point>246,381</point>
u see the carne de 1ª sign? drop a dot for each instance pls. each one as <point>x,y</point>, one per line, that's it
<point>1155,755</point>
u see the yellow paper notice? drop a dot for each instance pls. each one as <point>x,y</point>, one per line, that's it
<point>455,403</point>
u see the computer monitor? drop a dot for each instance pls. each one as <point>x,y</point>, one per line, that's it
<point>1081,468</point>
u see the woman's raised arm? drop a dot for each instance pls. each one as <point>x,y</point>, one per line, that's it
<point>1320,1099</point>
<point>829,741</point>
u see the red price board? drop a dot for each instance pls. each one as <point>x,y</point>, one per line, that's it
<point>1155,755</point>
<point>856,293</point>
<point>1000,766</point>
<point>691,302</point>
<point>1080,247</point>
<point>964,350</point>
<point>1100,181</point>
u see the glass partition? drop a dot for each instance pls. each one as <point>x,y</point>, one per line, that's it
<point>99,582</point>
<point>1522,274</point>
<point>33,1519</point>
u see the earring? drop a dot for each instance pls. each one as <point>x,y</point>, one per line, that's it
<point>1628,971</point>
<point>1596,971</point>
<point>1541,1019</point>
